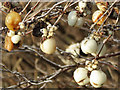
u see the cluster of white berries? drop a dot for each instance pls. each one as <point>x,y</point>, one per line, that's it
<point>74,20</point>
<point>93,47</point>
<point>14,38</point>
<point>48,43</point>
<point>91,65</point>
<point>95,77</point>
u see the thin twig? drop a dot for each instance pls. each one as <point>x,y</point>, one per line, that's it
<point>47,60</point>
<point>105,20</point>
<point>103,45</point>
<point>51,9</point>
<point>25,7</point>
<point>31,10</point>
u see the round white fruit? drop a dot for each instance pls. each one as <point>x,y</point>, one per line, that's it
<point>81,5</point>
<point>80,76</point>
<point>15,39</point>
<point>74,20</point>
<point>80,22</point>
<point>48,46</point>
<point>22,25</point>
<point>89,46</point>
<point>11,33</point>
<point>97,78</point>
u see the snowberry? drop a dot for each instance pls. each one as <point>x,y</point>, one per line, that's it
<point>96,15</point>
<point>48,46</point>
<point>22,25</point>
<point>15,39</point>
<point>97,78</point>
<point>81,5</point>
<point>80,76</point>
<point>11,33</point>
<point>74,20</point>
<point>12,20</point>
<point>89,46</point>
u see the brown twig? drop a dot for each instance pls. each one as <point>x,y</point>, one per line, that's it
<point>31,10</point>
<point>25,7</point>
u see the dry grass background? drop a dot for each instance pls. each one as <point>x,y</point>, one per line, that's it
<point>26,62</point>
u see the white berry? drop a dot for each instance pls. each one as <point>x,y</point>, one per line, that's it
<point>48,46</point>
<point>22,25</point>
<point>82,5</point>
<point>89,46</point>
<point>15,39</point>
<point>11,33</point>
<point>74,20</point>
<point>97,78</point>
<point>80,76</point>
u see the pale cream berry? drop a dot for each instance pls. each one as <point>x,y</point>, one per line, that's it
<point>48,46</point>
<point>15,39</point>
<point>11,33</point>
<point>89,46</point>
<point>19,33</point>
<point>94,66</point>
<point>97,78</point>
<point>22,25</point>
<point>89,68</point>
<point>44,30</point>
<point>87,62</point>
<point>49,26</point>
<point>74,20</point>
<point>80,76</point>
<point>82,6</point>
